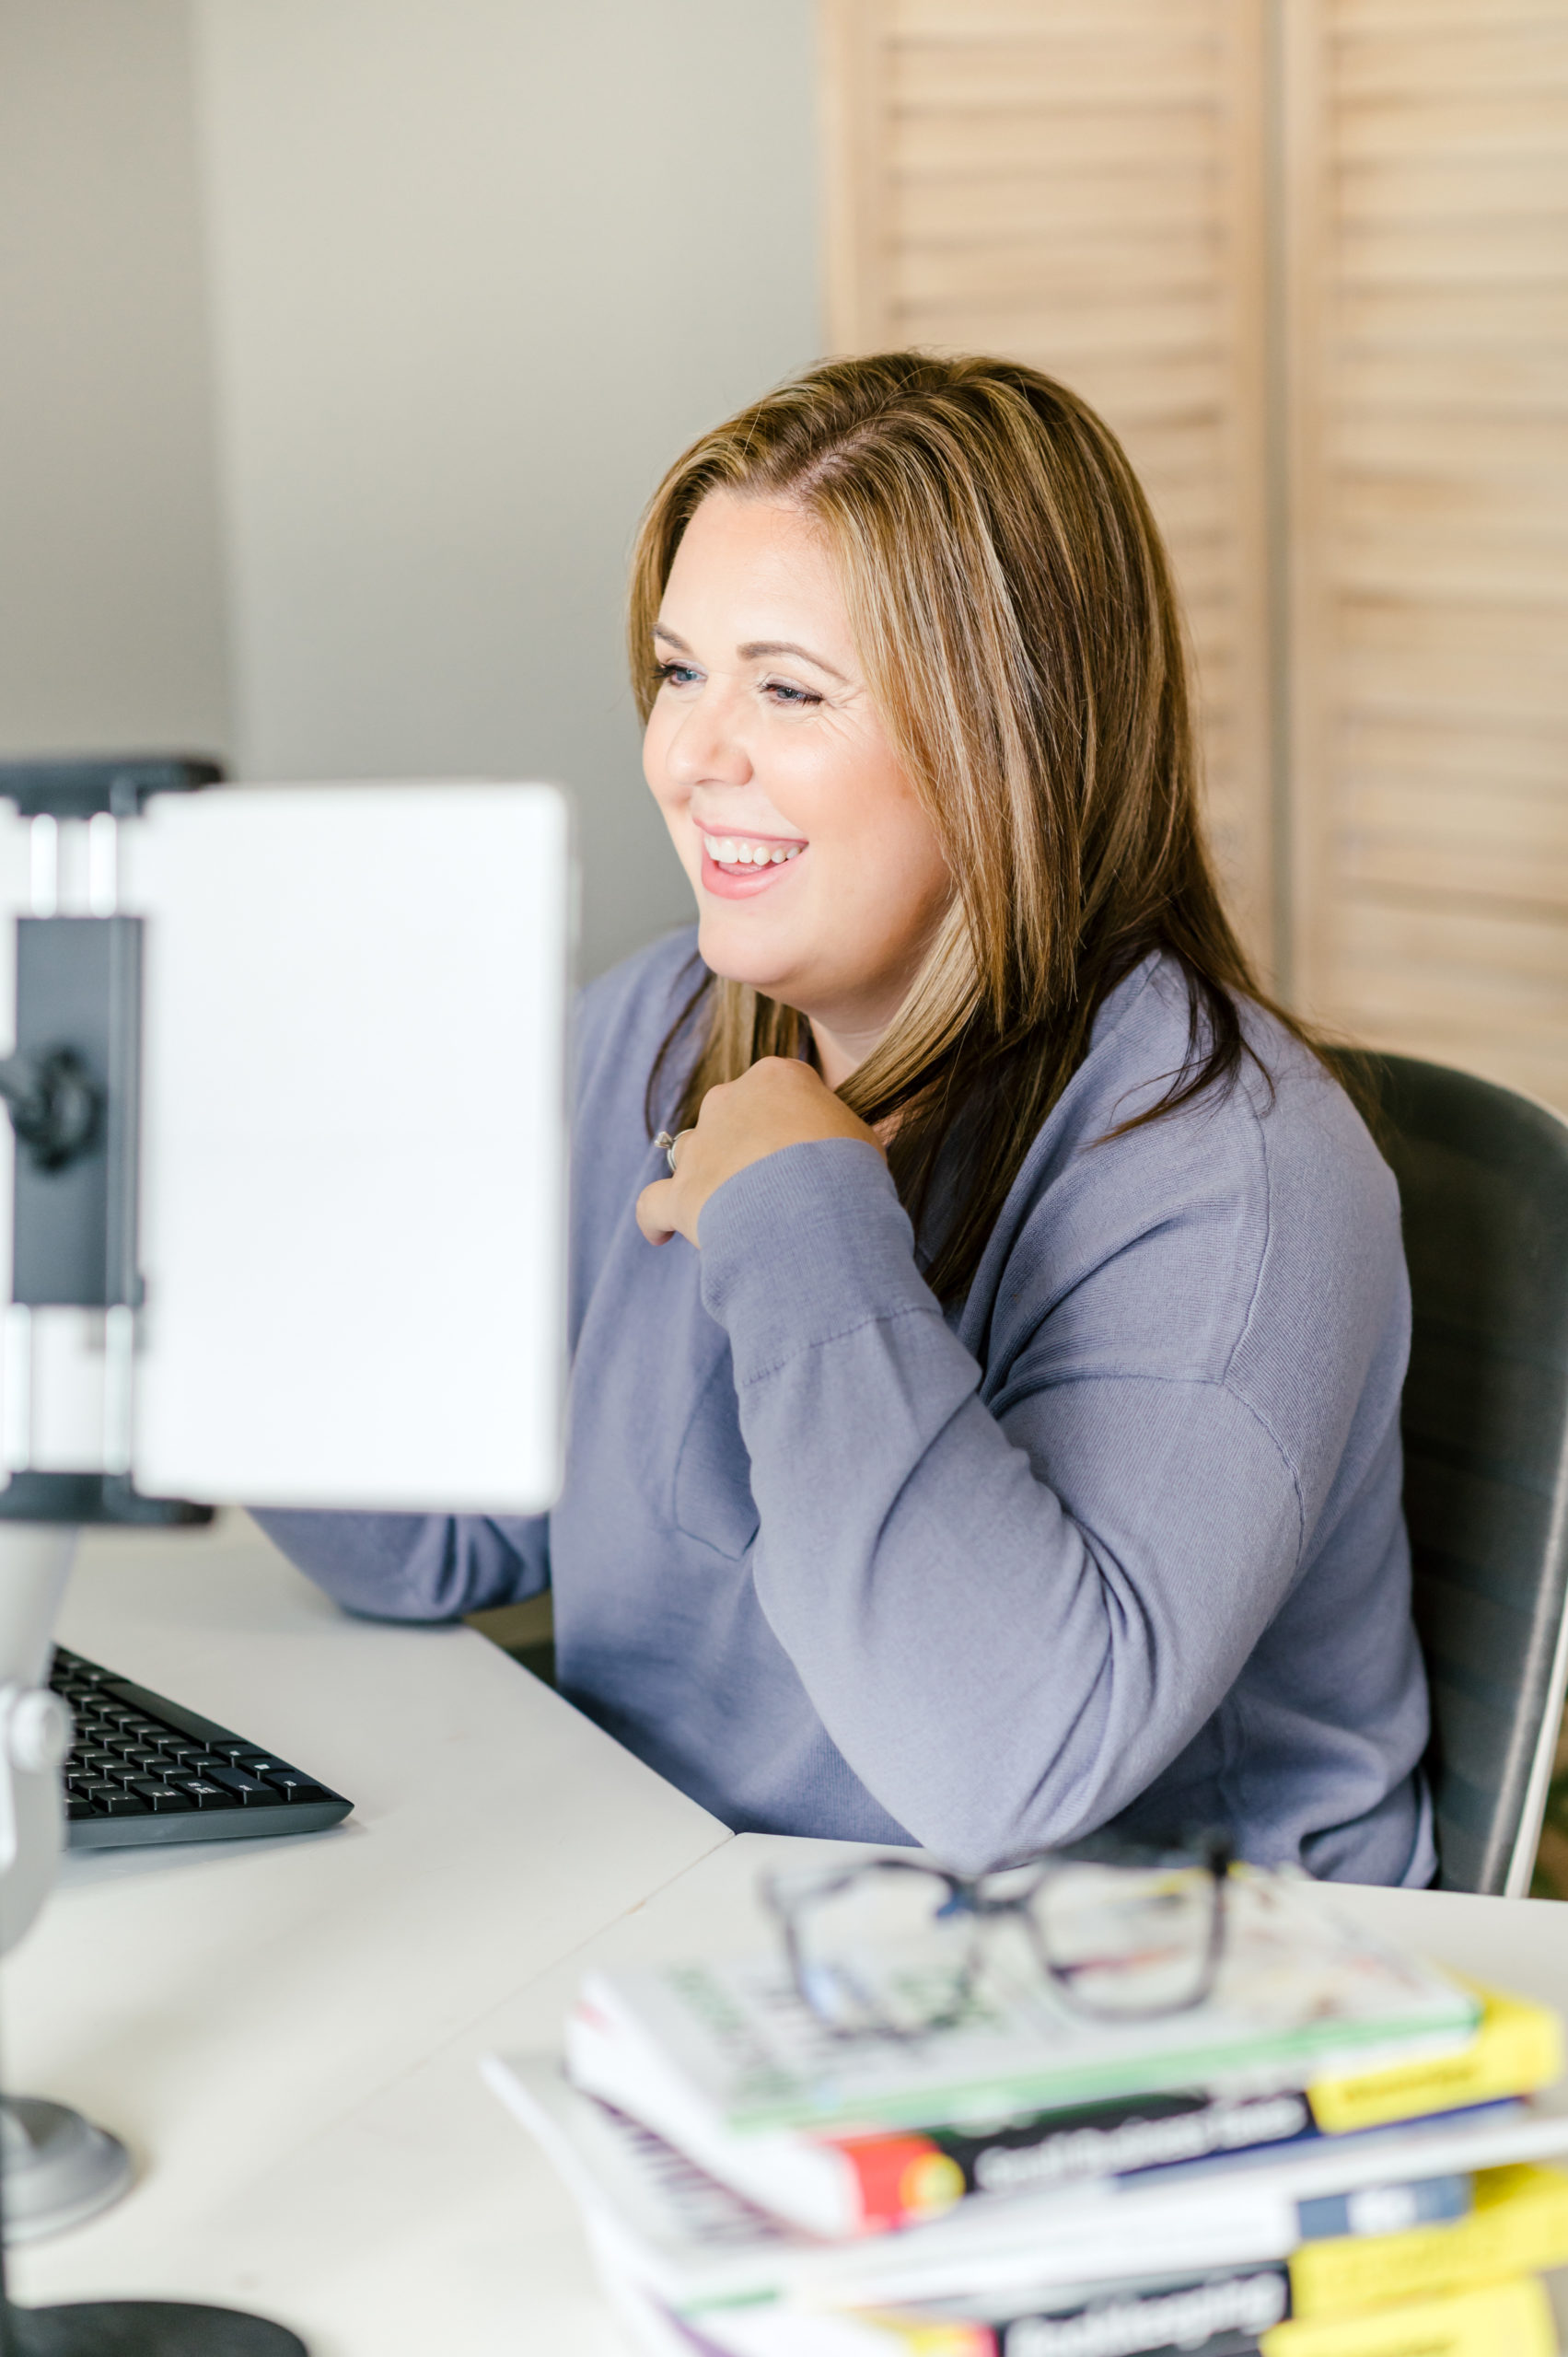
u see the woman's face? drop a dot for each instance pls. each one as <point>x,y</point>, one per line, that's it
<point>817,875</point>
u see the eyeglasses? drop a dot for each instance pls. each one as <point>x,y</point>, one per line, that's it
<point>896,1947</point>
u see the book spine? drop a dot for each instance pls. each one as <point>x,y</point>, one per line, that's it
<point>1222,2317</point>
<point>1517,2049</point>
<point>902,2176</point>
<point>1518,2227</point>
<point>1226,2316</point>
<point>1497,2320</point>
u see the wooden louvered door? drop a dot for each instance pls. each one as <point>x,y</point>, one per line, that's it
<point>1354,427</point>
<point>1077,183</point>
<point>1429,302</point>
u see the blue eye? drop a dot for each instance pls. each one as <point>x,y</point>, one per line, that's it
<point>677,675</point>
<point>783,692</point>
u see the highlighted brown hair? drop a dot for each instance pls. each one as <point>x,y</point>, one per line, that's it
<point>1012,603</point>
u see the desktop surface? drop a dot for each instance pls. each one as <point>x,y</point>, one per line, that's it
<point>226,2010</point>
<point>291,2040</point>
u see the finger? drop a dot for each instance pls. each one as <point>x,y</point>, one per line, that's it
<point>654,1216</point>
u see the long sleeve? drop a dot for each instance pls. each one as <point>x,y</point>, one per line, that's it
<point>1119,1537</point>
<point>1015,1600</point>
<point>416,1567</point>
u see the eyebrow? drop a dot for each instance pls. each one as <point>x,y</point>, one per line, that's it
<point>758,647</point>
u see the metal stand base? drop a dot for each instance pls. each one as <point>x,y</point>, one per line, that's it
<point>145,2328</point>
<point>58,2168</point>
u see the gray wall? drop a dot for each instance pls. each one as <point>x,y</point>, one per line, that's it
<point>111,574</point>
<point>480,268</point>
<point>475,270</point>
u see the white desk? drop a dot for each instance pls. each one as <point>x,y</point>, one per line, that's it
<point>221,2007</point>
<point>291,2039</point>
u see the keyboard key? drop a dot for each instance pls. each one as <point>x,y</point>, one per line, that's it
<point>245,1789</point>
<point>201,1794</point>
<point>130,1762</point>
<point>162,1799</point>
<point>294,1786</point>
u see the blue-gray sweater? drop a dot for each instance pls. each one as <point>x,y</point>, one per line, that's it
<point>1120,1538</point>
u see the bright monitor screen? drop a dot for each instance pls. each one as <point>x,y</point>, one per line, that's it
<point>352,1152</point>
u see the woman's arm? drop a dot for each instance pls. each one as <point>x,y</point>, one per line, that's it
<point>416,1566</point>
<point>1012,1614</point>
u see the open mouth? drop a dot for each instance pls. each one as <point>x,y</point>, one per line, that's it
<point>738,854</point>
<point>737,867</point>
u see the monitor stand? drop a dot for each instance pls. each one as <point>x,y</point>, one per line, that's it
<point>35,1560</point>
<point>58,2169</point>
<point>143,2328</point>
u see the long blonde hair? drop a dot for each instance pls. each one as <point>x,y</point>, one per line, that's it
<point>1013,606</point>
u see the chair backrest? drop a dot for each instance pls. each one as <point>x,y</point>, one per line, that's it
<point>1483,1182</point>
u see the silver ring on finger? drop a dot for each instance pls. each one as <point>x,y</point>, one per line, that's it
<point>668,1145</point>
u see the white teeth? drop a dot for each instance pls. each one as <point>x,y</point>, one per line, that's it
<point>733,851</point>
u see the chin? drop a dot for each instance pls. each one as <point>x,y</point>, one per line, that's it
<point>740,960</point>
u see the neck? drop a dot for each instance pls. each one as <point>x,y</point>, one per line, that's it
<point>841,1052</point>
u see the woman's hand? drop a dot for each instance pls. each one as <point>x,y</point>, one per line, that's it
<point>778,1102</point>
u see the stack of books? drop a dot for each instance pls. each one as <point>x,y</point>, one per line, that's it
<point>1339,2154</point>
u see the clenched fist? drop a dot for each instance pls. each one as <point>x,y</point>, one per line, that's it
<point>779,1102</point>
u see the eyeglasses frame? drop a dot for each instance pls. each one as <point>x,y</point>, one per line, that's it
<point>1213,1850</point>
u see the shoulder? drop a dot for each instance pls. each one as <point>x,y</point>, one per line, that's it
<point>1261,1205</point>
<point>624,1016</point>
<point>1281,1120</point>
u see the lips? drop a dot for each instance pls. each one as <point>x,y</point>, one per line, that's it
<point>737,883</point>
<point>738,866</point>
<point>741,852</point>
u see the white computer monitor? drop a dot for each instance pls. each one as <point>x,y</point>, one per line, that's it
<point>351,1214</point>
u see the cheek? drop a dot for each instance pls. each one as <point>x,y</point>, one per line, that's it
<point>656,750</point>
<point>881,830</point>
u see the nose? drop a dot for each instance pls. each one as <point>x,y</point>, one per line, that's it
<point>708,747</point>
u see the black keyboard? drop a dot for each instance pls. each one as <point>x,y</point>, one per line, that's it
<point>143,1769</point>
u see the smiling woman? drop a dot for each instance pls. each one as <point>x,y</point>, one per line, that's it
<point>763,738</point>
<point>1008,1447</point>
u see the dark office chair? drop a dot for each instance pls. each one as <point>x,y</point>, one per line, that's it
<point>1483,1182</point>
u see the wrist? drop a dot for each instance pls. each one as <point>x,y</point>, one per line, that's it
<point>805,1244</point>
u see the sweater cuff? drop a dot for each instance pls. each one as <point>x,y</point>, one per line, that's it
<point>808,1243</point>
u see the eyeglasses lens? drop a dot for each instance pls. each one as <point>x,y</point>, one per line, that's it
<point>880,1954</point>
<point>1128,1941</point>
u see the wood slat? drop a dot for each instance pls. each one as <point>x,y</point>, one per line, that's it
<point>1499,379</point>
<point>1450,318</point>
<point>1501,123</point>
<point>1474,58</point>
<point>1153,275</point>
<point>1431,246</point>
<point>1077,183</point>
<point>980,78</point>
<point>975,23</point>
<point>1437,186</point>
<point>1418,21</point>
<point>996,209</point>
<point>940,144</point>
<point>1513,759</point>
